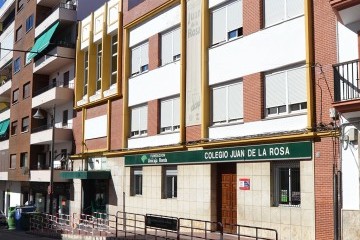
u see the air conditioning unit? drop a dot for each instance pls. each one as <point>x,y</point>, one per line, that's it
<point>24,170</point>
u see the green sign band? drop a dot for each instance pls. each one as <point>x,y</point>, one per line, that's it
<point>279,151</point>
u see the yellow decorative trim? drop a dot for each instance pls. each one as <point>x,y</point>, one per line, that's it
<point>183,73</point>
<point>309,63</point>
<point>79,66</point>
<point>106,59</point>
<point>126,71</point>
<point>205,106</point>
<point>97,102</point>
<point>119,62</point>
<point>151,13</point>
<point>84,112</point>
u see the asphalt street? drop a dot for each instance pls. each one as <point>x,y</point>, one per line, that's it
<point>19,235</point>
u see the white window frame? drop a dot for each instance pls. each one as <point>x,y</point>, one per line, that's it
<point>288,196</point>
<point>170,174</point>
<point>239,31</point>
<point>98,67</point>
<point>139,131</point>
<point>114,54</point>
<point>287,108</point>
<point>173,126</point>
<point>285,16</point>
<point>175,57</point>
<point>86,72</point>
<point>137,181</point>
<point>142,67</point>
<point>227,120</point>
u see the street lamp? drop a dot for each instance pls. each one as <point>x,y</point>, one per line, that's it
<point>39,115</point>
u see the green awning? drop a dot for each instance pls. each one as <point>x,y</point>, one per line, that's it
<point>86,175</point>
<point>4,125</point>
<point>42,42</point>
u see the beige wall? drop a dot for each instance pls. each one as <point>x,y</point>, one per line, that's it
<point>350,224</point>
<point>255,205</point>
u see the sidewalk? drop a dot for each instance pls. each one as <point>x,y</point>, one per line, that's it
<point>6,234</point>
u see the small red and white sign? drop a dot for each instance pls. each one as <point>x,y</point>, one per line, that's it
<point>244,183</point>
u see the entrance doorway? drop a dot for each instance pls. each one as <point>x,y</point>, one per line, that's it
<point>95,196</point>
<point>227,206</point>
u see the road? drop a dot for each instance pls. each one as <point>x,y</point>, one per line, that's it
<point>19,235</point>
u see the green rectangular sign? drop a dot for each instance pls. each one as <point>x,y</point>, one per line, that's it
<point>278,151</point>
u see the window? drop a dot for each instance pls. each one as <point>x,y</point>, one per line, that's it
<point>114,55</point>
<point>286,177</point>
<point>20,5</point>
<point>170,46</point>
<point>170,182</point>
<point>98,67</point>
<point>227,103</point>
<point>23,159</point>
<point>281,10</point>
<point>86,71</point>
<point>227,22</point>
<point>13,161</point>
<point>66,79</point>
<point>139,121</point>
<point>25,124</point>
<point>170,115</point>
<point>137,181</point>
<point>29,23</point>
<point>15,96</point>
<point>140,59</point>
<point>13,127</point>
<point>17,65</point>
<point>26,90</point>
<point>27,59</point>
<point>285,91</point>
<point>18,34</point>
<point>65,118</point>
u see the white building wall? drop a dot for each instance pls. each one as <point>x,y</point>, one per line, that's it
<point>157,140</point>
<point>347,44</point>
<point>271,48</point>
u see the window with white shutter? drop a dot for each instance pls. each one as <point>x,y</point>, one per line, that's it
<point>285,91</point>
<point>170,115</point>
<point>277,11</point>
<point>226,22</point>
<point>139,120</point>
<point>170,46</point>
<point>227,103</point>
<point>140,59</point>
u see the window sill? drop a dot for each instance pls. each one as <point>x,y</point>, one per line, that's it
<point>174,61</point>
<point>24,131</point>
<point>285,115</point>
<point>138,136</point>
<point>283,21</point>
<point>287,206</point>
<point>138,74</point>
<point>227,124</point>
<point>14,103</point>
<point>28,30</point>
<point>225,42</point>
<point>169,132</point>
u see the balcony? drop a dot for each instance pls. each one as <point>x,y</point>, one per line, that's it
<point>5,7</point>
<point>63,12</point>
<point>5,90</point>
<point>56,93</point>
<point>346,86</point>
<point>44,175</point>
<point>349,12</point>
<point>43,134</point>
<point>63,54</point>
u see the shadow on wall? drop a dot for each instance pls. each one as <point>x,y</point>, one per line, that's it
<point>134,3</point>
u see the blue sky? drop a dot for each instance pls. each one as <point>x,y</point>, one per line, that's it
<point>2,3</point>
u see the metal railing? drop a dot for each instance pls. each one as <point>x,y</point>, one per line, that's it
<point>51,86</point>
<point>49,126</point>
<point>346,81</point>
<point>127,225</point>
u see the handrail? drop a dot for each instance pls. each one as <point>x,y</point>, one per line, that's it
<point>346,81</point>
<point>51,86</point>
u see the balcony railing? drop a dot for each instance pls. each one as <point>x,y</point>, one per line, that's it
<point>51,86</point>
<point>61,5</point>
<point>346,81</point>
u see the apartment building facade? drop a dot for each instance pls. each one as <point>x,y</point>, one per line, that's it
<point>214,110</point>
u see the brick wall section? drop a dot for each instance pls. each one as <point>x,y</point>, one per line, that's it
<point>77,131</point>
<point>96,144</point>
<point>21,141</point>
<point>325,54</point>
<point>153,117</point>
<point>253,97</point>
<point>154,52</point>
<point>252,16</point>
<point>140,9</point>
<point>96,111</point>
<point>116,124</point>
<point>193,133</point>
